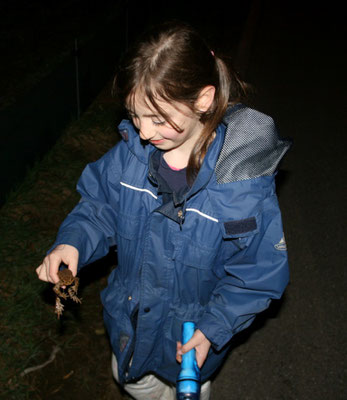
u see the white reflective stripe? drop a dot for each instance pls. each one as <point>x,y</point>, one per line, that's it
<point>139,189</point>
<point>202,214</point>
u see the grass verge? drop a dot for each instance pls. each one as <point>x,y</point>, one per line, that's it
<point>28,224</point>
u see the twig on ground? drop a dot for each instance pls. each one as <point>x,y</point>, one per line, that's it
<point>51,358</point>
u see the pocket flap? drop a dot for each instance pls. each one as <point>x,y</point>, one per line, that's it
<point>240,227</point>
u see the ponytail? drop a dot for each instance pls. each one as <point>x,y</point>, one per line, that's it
<point>229,91</point>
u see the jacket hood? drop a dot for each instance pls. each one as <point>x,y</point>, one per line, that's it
<point>138,147</point>
<point>251,148</point>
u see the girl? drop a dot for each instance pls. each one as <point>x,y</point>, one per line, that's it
<point>188,196</point>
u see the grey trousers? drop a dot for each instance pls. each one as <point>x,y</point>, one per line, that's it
<point>150,387</point>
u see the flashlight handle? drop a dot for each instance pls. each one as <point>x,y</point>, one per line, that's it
<point>188,380</point>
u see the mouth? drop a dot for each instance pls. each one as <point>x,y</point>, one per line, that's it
<point>155,142</point>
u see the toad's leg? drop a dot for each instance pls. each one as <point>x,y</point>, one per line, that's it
<point>59,308</point>
<point>73,291</point>
<point>58,292</point>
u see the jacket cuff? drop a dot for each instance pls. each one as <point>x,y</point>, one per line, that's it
<point>217,334</point>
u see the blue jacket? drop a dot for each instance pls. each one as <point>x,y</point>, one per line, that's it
<point>215,255</point>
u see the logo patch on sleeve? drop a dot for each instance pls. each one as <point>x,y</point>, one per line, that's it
<point>281,245</point>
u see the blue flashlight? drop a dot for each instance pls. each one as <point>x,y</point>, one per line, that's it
<point>188,379</point>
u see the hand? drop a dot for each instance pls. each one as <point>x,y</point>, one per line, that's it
<point>202,346</point>
<point>48,270</point>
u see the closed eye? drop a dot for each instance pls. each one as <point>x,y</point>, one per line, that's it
<point>158,123</point>
<point>135,118</point>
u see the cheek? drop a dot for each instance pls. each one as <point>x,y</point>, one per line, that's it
<point>136,123</point>
<point>169,133</point>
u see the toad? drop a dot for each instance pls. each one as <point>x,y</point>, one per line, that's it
<point>69,282</point>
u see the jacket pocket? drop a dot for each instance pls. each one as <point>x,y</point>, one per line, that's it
<point>193,271</point>
<point>196,255</point>
<point>178,314</point>
<point>239,231</point>
<point>237,235</point>
<point>117,313</point>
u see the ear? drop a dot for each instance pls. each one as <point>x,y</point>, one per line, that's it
<point>205,98</point>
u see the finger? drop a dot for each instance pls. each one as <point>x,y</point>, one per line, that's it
<point>54,265</point>
<point>200,361</point>
<point>38,270</point>
<point>42,273</point>
<point>202,352</point>
<point>201,356</point>
<point>196,339</point>
<point>178,352</point>
<point>46,270</point>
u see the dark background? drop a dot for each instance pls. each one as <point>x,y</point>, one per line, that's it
<point>294,55</point>
<point>38,85</point>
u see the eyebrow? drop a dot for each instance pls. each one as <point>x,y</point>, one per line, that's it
<point>146,115</point>
<point>152,115</point>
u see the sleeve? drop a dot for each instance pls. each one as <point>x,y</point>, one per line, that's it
<point>250,278</point>
<point>91,225</point>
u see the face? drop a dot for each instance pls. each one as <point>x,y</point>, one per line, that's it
<point>153,128</point>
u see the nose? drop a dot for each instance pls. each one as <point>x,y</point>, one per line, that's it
<point>146,131</point>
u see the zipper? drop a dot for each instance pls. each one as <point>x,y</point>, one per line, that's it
<point>133,320</point>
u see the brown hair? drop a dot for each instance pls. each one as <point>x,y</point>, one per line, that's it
<point>174,63</point>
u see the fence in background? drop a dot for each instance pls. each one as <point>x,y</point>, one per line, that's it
<point>31,126</point>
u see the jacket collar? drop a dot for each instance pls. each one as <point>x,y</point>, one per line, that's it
<point>174,204</point>
<point>146,154</point>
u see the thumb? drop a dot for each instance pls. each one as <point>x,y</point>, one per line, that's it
<point>72,264</point>
<point>69,256</point>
